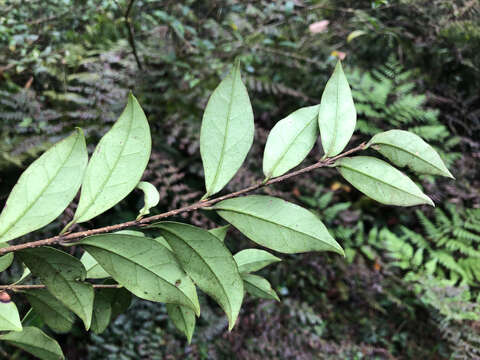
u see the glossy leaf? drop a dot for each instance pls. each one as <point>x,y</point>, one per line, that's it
<point>290,141</point>
<point>251,260</point>
<point>277,224</point>
<point>5,260</point>
<point>144,267</point>
<point>35,342</point>
<point>151,198</point>
<point>94,270</point>
<point>9,317</point>
<point>117,163</point>
<point>183,318</point>
<point>63,275</point>
<point>220,232</point>
<point>404,148</point>
<point>259,287</point>
<point>45,188</point>
<point>381,181</point>
<point>52,311</point>
<point>227,131</point>
<point>208,262</point>
<point>102,312</point>
<point>337,116</point>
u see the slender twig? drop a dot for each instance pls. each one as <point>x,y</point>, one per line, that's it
<point>39,286</point>
<point>131,39</point>
<point>66,239</point>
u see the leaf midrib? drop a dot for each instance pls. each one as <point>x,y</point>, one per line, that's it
<point>42,191</point>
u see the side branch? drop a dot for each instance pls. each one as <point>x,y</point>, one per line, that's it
<point>198,205</point>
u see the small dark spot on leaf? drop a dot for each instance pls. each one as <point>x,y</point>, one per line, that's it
<point>178,282</point>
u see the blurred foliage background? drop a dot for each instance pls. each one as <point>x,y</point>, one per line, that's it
<point>409,287</point>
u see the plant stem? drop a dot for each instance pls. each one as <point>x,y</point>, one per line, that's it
<point>198,205</point>
<point>30,287</point>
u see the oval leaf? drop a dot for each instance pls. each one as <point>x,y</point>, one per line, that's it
<point>227,131</point>
<point>290,141</point>
<point>102,312</point>
<point>35,342</point>
<point>45,188</point>
<point>220,232</point>
<point>63,275</point>
<point>9,317</point>
<point>337,116</point>
<point>381,181</point>
<point>50,310</point>
<point>404,148</point>
<point>277,224</point>
<point>144,267</point>
<point>208,262</point>
<point>183,318</point>
<point>117,164</point>
<point>259,287</point>
<point>151,198</point>
<point>251,260</point>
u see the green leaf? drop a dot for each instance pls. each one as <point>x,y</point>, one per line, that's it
<point>51,310</point>
<point>277,224</point>
<point>151,198</point>
<point>5,260</point>
<point>381,181</point>
<point>183,318</point>
<point>45,188</point>
<point>144,267</point>
<point>290,141</point>
<point>32,318</point>
<point>102,312</point>
<point>9,317</point>
<point>35,342</point>
<point>120,299</point>
<point>227,131</point>
<point>63,275</point>
<point>117,164</point>
<point>337,116</point>
<point>404,148</point>
<point>258,286</point>
<point>208,262</point>
<point>251,260</point>
<point>94,270</point>
<point>220,232</point>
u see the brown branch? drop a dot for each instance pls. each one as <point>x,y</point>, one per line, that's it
<point>31,287</point>
<point>66,238</point>
<point>131,39</point>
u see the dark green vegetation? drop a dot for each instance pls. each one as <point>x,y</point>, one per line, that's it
<point>400,293</point>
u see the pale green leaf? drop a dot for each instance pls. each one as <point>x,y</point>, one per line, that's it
<point>51,311</point>
<point>5,260</point>
<point>164,242</point>
<point>381,181</point>
<point>183,318</point>
<point>290,141</point>
<point>102,312</point>
<point>208,262</point>
<point>337,116</point>
<point>63,276</point>
<point>404,148</point>
<point>94,270</point>
<point>45,188</point>
<point>277,224</point>
<point>251,260</point>
<point>227,131</point>
<point>144,267</point>
<point>35,342</point>
<point>258,286</point>
<point>151,198</point>
<point>117,163</point>
<point>130,232</point>
<point>9,317</point>
<point>220,232</point>
<point>354,34</point>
